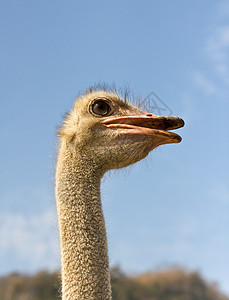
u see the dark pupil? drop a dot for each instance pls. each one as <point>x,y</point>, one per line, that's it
<point>101,108</point>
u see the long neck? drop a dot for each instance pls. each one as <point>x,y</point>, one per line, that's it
<point>84,258</point>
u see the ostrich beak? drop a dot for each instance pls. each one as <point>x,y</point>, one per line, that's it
<point>147,124</point>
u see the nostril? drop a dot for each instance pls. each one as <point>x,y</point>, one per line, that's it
<point>149,115</point>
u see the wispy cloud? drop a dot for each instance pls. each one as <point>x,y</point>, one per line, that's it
<point>204,83</point>
<point>223,8</point>
<point>220,192</point>
<point>215,78</point>
<point>217,50</point>
<point>218,43</point>
<point>31,239</point>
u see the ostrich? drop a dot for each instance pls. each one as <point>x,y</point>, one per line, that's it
<point>103,131</point>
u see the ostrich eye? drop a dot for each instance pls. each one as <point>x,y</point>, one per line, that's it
<point>101,108</point>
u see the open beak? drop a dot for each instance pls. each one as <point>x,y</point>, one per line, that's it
<point>147,124</point>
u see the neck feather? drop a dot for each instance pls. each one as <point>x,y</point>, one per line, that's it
<point>84,258</point>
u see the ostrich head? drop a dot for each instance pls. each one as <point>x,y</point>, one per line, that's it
<point>112,133</point>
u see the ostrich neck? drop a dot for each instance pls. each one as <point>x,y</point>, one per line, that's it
<point>84,258</point>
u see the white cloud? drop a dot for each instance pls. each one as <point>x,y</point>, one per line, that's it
<point>217,50</point>
<point>31,239</point>
<point>220,192</point>
<point>224,9</point>
<point>206,84</point>
<point>215,79</point>
<point>218,44</point>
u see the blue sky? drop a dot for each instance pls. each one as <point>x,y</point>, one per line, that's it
<point>170,209</point>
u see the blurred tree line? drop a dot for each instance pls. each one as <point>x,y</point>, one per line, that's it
<point>172,284</point>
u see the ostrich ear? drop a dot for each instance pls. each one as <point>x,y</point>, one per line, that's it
<point>68,128</point>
